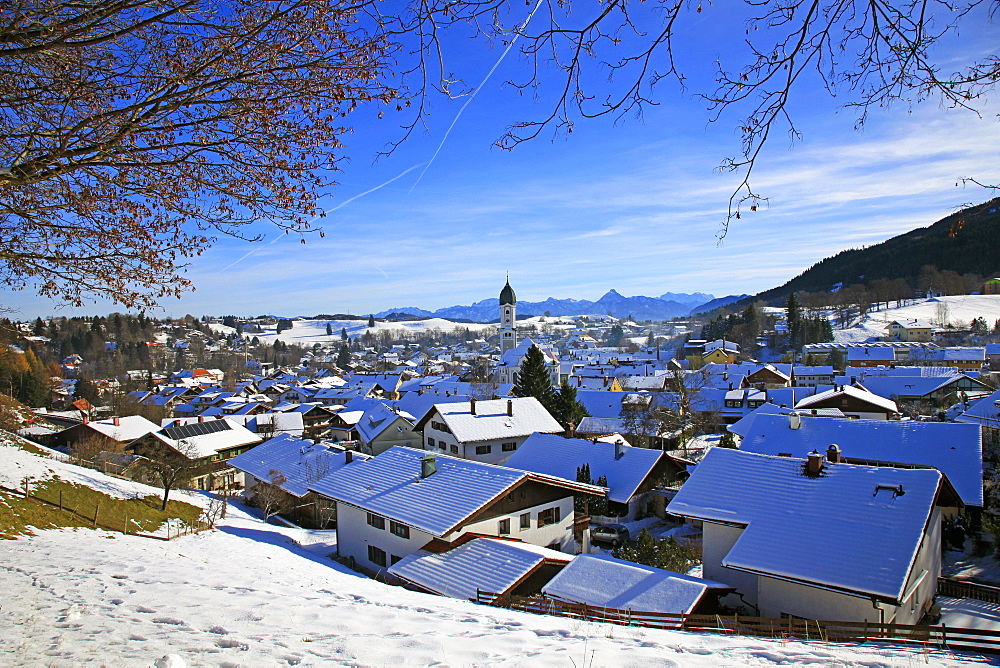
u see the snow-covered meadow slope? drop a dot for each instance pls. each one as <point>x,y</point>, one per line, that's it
<point>254,594</point>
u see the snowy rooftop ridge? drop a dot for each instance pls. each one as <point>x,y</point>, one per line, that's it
<point>954,449</point>
<point>808,528</point>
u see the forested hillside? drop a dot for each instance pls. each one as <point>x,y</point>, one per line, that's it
<point>961,249</point>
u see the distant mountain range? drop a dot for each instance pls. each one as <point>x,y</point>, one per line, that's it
<point>666,306</point>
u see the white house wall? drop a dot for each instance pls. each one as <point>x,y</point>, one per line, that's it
<point>778,597</point>
<point>560,532</point>
<point>354,535</point>
<point>717,540</point>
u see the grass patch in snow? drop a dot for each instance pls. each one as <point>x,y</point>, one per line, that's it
<point>79,505</point>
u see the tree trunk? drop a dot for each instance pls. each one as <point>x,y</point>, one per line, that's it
<point>166,493</point>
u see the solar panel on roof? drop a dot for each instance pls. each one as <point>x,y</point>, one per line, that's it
<point>196,429</point>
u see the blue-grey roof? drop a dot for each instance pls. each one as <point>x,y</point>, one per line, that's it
<point>952,448</point>
<point>301,462</point>
<point>846,529</point>
<point>390,485</point>
<point>485,564</point>
<point>613,583</point>
<point>560,457</point>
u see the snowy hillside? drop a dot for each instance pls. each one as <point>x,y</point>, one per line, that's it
<point>957,310</point>
<point>308,332</point>
<point>254,594</point>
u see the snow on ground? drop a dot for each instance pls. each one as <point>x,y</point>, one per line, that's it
<point>308,332</point>
<point>965,613</point>
<point>960,310</point>
<point>16,464</point>
<point>251,594</point>
<point>248,594</point>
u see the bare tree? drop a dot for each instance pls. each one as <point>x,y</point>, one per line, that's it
<point>169,467</point>
<point>133,130</point>
<point>866,54</point>
<point>270,497</point>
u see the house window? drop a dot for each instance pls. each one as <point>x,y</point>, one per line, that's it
<point>376,556</point>
<point>430,442</point>
<point>376,521</point>
<point>525,521</point>
<point>548,516</point>
<point>400,530</point>
<point>454,449</point>
<point>483,449</point>
<point>509,447</point>
<point>393,559</point>
<point>503,527</point>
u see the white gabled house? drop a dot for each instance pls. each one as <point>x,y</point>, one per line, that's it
<point>819,540</point>
<point>406,500</point>
<point>486,431</point>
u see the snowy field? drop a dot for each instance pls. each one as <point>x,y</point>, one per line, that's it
<point>959,310</point>
<point>255,594</point>
<point>308,332</point>
<point>250,595</point>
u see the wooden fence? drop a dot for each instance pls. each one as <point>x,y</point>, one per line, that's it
<point>975,640</point>
<point>974,590</point>
<point>175,529</point>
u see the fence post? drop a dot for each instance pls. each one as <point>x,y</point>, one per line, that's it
<point>944,636</point>
<point>125,530</point>
<point>60,500</point>
<point>97,511</point>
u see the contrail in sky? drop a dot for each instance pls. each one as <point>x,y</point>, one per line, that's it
<point>472,95</point>
<point>325,211</point>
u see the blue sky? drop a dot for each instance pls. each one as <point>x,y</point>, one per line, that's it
<point>633,205</point>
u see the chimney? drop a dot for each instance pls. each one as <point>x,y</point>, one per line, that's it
<point>814,464</point>
<point>794,421</point>
<point>510,407</point>
<point>348,456</point>
<point>833,453</point>
<point>472,405</point>
<point>117,422</point>
<point>428,466</point>
<point>619,449</point>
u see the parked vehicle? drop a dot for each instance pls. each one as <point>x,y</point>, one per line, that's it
<point>615,534</point>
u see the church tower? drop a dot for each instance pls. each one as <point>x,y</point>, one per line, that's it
<point>508,318</point>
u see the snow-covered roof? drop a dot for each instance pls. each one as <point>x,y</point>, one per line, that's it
<point>984,412</point>
<point>743,426</point>
<point>380,418</point>
<point>612,583</point>
<point>491,420</point>
<point>390,485</point>
<point>954,449</point>
<point>484,564</point>
<point>128,428</point>
<point>301,462</point>
<point>809,529</point>
<point>206,438</point>
<point>853,393</point>
<point>557,456</point>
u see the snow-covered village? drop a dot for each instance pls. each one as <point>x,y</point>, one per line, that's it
<point>586,489</point>
<point>460,333</point>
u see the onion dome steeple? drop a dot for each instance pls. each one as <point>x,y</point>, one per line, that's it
<point>507,294</point>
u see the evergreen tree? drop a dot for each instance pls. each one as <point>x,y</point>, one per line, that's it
<point>728,440</point>
<point>343,334</point>
<point>615,336</point>
<point>329,329</point>
<point>283,324</point>
<point>371,320</point>
<point>565,408</point>
<point>534,379</point>
<point>87,390</point>
<point>582,475</point>
<point>794,318</point>
<point>343,357</point>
